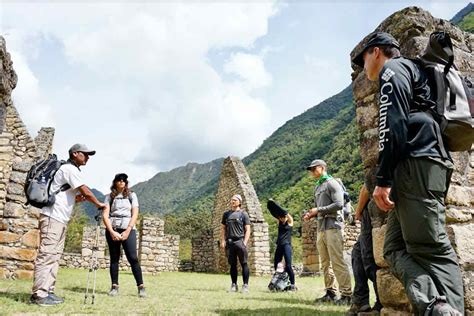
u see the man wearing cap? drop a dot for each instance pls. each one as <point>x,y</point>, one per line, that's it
<point>329,202</point>
<point>235,234</point>
<point>412,179</point>
<point>53,223</point>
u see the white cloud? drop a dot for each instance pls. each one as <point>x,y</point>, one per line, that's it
<point>27,97</point>
<point>250,68</point>
<point>145,95</point>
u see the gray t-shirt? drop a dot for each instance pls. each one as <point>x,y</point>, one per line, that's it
<point>235,222</point>
<point>121,206</point>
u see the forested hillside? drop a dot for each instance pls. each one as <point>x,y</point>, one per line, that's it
<point>465,18</point>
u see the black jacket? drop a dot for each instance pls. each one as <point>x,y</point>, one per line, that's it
<point>404,130</point>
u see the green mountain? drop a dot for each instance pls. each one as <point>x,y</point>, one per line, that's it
<point>168,192</point>
<point>465,18</point>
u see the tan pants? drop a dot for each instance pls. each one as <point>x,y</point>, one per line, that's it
<point>330,248</point>
<point>52,237</point>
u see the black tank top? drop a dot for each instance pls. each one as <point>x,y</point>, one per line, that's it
<point>284,233</point>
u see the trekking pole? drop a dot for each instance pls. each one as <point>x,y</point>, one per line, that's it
<point>94,264</point>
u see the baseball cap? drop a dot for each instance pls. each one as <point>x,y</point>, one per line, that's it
<point>376,39</point>
<point>82,148</point>
<point>316,162</point>
<point>121,176</point>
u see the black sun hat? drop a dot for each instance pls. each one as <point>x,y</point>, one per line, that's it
<point>121,176</point>
<point>275,209</point>
<point>376,39</point>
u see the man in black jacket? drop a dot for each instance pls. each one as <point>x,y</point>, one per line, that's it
<point>412,180</point>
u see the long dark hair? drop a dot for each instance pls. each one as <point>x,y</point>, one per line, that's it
<point>114,192</point>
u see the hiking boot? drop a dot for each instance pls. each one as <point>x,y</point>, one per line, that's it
<point>56,298</point>
<point>344,300</point>
<point>42,301</point>
<point>233,288</point>
<point>443,308</point>
<point>292,288</point>
<point>377,306</point>
<point>141,291</point>
<point>329,297</point>
<point>356,308</point>
<point>245,289</point>
<point>114,291</point>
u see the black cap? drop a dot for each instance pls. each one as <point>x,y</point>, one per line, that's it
<point>376,39</point>
<point>121,176</point>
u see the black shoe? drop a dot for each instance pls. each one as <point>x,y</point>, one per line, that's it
<point>56,298</point>
<point>356,308</point>
<point>329,297</point>
<point>292,288</point>
<point>377,306</point>
<point>344,300</point>
<point>42,301</point>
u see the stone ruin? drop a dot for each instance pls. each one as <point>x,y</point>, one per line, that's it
<point>206,254</point>
<point>19,235</point>
<point>411,27</point>
<point>157,252</point>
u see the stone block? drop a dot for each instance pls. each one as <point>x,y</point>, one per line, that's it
<point>457,215</point>
<point>18,253</point>
<point>13,210</point>
<point>31,238</point>
<point>393,293</point>
<point>460,195</point>
<point>468,281</point>
<point>86,252</point>
<point>18,177</point>
<point>7,237</point>
<point>24,274</point>
<point>3,273</point>
<point>17,198</point>
<point>462,236</point>
<point>15,189</point>
<point>378,238</point>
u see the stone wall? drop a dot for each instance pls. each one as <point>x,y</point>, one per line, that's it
<point>411,27</point>
<point>157,252</point>
<point>203,252</point>
<point>235,180</point>
<point>19,235</point>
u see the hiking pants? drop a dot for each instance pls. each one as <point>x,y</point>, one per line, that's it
<point>416,244</point>
<point>363,262</point>
<point>330,248</point>
<point>130,248</point>
<point>237,249</point>
<point>52,238</point>
<point>284,251</point>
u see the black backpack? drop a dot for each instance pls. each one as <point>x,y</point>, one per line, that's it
<point>452,94</point>
<point>38,182</point>
<point>280,282</point>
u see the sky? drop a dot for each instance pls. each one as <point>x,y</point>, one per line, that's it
<point>154,85</point>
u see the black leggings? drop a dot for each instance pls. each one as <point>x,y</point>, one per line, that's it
<point>285,251</point>
<point>130,249</point>
<point>235,250</point>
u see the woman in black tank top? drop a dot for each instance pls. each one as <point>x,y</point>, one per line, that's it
<point>283,249</point>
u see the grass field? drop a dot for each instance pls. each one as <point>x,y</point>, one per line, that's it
<point>171,293</point>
